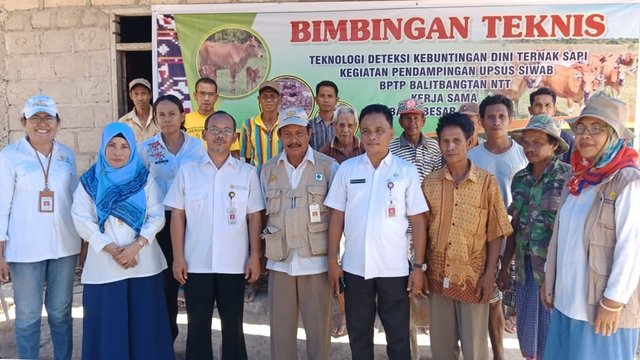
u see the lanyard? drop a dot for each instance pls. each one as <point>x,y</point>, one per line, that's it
<point>45,172</point>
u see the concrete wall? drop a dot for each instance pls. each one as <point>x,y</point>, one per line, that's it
<point>62,48</point>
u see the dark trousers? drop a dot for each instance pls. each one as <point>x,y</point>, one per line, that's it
<point>125,319</point>
<point>392,306</point>
<point>171,285</point>
<point>201,291</point>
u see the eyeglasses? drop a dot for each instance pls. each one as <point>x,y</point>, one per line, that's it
<point>217,131</point>
<point>589,130</point>
<point>35,120</point>
<point>205,94</point>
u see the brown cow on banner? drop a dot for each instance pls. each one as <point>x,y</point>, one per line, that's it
<point>215,56</point>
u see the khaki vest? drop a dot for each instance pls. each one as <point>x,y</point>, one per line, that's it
<point>599,243</point>
<point>289,223</point>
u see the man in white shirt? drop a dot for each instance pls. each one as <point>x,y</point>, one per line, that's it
<point>295,184</point>
<point>217,204</point>
<point>502,157</point>
<point>372,198</point>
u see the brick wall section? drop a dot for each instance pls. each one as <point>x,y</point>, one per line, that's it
<point>62,48</point>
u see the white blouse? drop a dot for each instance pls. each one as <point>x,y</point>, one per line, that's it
<point>100,267</point>
<point>31,235</point>
<point>162,164</point>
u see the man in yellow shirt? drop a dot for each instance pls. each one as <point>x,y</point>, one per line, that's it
<point>206,95</point>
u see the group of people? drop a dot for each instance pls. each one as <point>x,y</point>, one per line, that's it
<point>378,221</point>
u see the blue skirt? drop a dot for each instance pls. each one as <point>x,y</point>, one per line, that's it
<point>575,339</point>
<point>126,320</point>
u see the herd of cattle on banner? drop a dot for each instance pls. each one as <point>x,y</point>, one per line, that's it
<point>573,82</point>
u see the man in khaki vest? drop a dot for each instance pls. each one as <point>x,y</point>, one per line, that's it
<point>295,184</point>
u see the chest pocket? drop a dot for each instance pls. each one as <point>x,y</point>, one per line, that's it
<point>549,206</point>
<point>273,199</point>
<point>195,201</point>
<point>316,195</point>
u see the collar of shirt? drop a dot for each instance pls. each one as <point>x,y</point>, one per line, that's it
<point>335,142</point>
<point>260,122</point>
<point>405,142</point>
<point>308,156</point>
<point>551,169</point>
<point>472,174</point>
<point>231,161</point>
<point>388,160</point>
<point>136,119</point>
<point>319,120</point>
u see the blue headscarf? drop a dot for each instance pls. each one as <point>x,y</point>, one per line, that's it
<point>118,192</point>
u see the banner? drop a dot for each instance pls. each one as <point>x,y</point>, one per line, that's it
<point>384,52</point>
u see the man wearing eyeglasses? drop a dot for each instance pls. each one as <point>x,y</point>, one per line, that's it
<point>215,232</point>
<point>206,95</point>
<point>295,184</point>
<point>140,119</point>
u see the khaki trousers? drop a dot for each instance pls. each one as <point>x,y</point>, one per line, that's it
<point>308,295</point>
<point>453,320</point>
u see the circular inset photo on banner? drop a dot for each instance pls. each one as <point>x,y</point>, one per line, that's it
<point>236,58</point>
<point>295,92</point>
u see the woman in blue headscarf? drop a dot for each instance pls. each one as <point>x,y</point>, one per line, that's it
<point>118,210</point>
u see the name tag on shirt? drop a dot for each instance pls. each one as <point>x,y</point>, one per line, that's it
<point>314,213</point>
<point>391,209</point>
<point>161,161</point>
<point>357,181</point>
<point>45,198</point>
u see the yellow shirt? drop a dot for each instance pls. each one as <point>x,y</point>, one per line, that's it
<point>194,122</point>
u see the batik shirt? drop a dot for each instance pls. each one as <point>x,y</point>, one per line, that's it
<point>534,208</point>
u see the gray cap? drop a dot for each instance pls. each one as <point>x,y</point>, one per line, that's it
<point>139,81</point>
<point>292,116</point>
<point>269,85</point>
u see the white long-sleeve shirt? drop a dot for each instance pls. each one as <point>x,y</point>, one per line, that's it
<point>31,235</point>
<point>100,267</point>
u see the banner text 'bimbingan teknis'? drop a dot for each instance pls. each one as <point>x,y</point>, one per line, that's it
<point>384,52</point>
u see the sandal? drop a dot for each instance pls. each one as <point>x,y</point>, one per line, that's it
<point>510,325</point>
<point>339,330</point>
<point>252,291</point>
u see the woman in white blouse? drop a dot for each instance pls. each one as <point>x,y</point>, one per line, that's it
<point>592,269</point>
<point>162,155</point>
<point>38,242</point>
<point>118,210</point>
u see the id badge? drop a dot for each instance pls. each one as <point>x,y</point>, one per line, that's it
<point>45,201</point>
<point>314,213</point>
<point>391,209</point>
<point>445,283</point>
<point>231,216</point>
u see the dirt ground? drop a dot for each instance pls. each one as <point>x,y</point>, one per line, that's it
<point>256,328</point>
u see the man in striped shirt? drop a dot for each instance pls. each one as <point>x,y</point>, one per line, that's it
<point>412,145</point>
<point>259,140</point>
<point>321,126</point>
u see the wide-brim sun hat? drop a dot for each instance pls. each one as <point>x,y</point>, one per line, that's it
<point>545,124</point>
<point>613,112</point>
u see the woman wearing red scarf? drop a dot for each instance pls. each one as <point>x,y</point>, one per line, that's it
<point>592,268</point>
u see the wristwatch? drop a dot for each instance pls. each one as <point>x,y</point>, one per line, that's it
<point>422,267</point>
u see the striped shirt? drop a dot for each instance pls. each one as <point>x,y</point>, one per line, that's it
<point>321,133</point>
<point>257,143</point>
<point>426,157</point>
